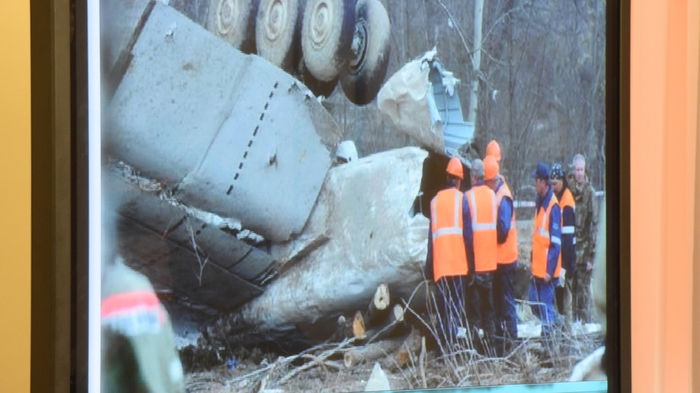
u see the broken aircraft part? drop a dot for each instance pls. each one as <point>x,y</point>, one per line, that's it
<point>421,101</point>
<point>208,144</point>
<point>364,212</point>
<point>456,131</point>
<point>225,132</point>
<point>189,258</point>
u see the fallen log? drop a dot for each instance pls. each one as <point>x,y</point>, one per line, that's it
<point>371,352</point>
<point>379,306</point>
<point>359,330</point>
<point>350,328</point>
<point>392,326</point>
<point>410,346</point>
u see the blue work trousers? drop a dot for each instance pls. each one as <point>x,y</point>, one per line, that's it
<point>451,307</point>
<point>480,303</point>
<point>504,301</point>
<point>542,297</point>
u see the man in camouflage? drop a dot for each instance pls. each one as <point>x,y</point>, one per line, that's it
<point>586,227</point>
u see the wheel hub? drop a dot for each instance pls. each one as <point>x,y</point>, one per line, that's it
<point>320,28</point>
<point>226,16</point>
<point>275,20</point>
<point>359,45</point>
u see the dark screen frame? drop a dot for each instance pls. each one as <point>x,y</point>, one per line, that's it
<point>618,339</point>
<point>59,146</point>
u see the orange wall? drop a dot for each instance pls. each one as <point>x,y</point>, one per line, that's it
<point>664,70</point>
<point>664,119</point>
<point>14,196</point>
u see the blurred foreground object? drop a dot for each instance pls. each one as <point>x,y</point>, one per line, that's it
<point>138,349</point>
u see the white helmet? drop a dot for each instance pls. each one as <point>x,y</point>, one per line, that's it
<point>346,151</point>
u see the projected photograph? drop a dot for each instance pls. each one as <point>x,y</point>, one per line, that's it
<point>352,195</point>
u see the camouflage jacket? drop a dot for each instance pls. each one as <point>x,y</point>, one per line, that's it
<point>586,219</point>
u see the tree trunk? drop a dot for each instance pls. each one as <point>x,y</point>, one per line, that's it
<point>476,60</point>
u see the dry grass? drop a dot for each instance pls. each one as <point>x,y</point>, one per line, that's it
<point>536,360</point>
<point>452,364</point>
<point>447,364</point>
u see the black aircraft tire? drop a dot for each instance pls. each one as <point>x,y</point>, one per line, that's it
<point>278,30</point>
<point>234,22</point>
<point>319,88</point>
<point>363,77</point>
<point>327,31</point>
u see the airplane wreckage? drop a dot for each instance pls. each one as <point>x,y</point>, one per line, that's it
<point>224,169</point>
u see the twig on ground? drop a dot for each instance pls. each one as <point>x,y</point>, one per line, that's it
<point>324,363</point>
<point>317,360</point>
<point>386,328</point>
<point>289,359</point>
<point>263,383</point>
<point>252,373</point>
<point>421,362</point>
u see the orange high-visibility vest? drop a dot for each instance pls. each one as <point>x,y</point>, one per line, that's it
<point>508,251</point>
<point>541,241</point>
<point>567,200</point>
<point>449,254</point>
<point>484,214</point>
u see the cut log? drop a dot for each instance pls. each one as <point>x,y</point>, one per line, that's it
<point>343,329</point>
<point>392,326</point>
<point>408,349</point>
<point>397,313</point>
<point>358,326</point>
<point>379,306</point>
<point>350,328</point>
<point>371,352</point>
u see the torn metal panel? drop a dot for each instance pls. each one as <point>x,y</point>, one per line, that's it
<point>253,169</point>
<point>228,133</point>
<point>456,131</point>
<point>175,250</point>
<point>184,275</point>
<point>173,98</point>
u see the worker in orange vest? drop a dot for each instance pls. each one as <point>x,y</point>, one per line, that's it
<point>567,258</point>
<point>480,215</point>
<point>546,246</point>
<point>446,262</point>
<point>507,237</point>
